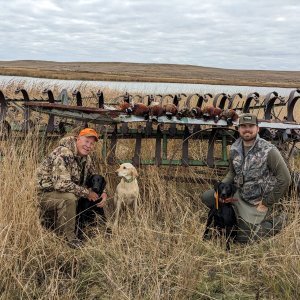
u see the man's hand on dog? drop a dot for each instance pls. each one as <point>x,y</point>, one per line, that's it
<point>103,201</point>
<point>92,196</point>
<point>260,207</point>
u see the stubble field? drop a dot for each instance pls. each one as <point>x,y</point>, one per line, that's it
<point>117,71</point>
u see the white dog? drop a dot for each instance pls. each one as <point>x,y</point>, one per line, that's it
<point>127,192</point>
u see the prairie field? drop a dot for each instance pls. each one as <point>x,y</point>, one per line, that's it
<point>118,71</point>
<point>160,256</point>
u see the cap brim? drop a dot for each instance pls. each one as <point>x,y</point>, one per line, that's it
<point>92,136</point>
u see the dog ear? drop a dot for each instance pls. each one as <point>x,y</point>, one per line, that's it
<point>234,189</point>
<point>134,172</point>
<point>102,182</point>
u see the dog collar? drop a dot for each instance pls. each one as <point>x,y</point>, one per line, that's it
<point>221,200</point>
<point>128,181</point>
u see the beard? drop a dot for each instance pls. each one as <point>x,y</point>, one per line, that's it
<point>248,137</point>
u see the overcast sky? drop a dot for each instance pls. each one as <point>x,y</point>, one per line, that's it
<point>236,34</point>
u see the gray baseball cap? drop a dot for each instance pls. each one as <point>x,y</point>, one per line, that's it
<point>248,119</point>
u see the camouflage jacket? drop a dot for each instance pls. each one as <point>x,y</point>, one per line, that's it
<point>252,175</point>
<point>64,171</point>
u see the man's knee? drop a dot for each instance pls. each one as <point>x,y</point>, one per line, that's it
<point>58,204</point>
<point>67,203</point>
<point>208,198</point>
<point>69,197</point>
<point>57,196</point>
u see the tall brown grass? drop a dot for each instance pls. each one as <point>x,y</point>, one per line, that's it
<point>161,256</point>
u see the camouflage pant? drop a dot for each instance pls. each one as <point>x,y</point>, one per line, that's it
<point>256,226</point>
<point>62,207</point>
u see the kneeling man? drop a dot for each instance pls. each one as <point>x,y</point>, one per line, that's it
<point>261,176</point>
<point>61,180</point>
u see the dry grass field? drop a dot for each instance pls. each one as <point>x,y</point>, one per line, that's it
<point>161,256</point>
<point>149,73</point>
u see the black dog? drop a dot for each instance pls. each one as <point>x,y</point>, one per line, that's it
<point>87,211</point>
<point>222,215</point>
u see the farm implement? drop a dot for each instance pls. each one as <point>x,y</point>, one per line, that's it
<point>184,119</point>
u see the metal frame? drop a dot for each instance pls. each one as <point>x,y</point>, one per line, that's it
<point>184,129</point>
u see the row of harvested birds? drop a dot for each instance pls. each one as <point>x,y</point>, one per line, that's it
<point>170,110</point>
<point>173,107</point>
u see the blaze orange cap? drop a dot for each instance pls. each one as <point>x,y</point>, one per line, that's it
<point>89,132</point>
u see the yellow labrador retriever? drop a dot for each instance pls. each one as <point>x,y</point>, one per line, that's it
<point>127,192</point>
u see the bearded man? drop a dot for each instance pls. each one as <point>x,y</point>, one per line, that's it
<point>261,176</point>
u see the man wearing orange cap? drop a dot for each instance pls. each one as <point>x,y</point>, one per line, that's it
<point>61,180</point>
